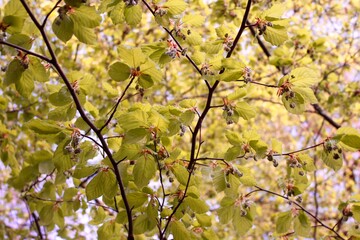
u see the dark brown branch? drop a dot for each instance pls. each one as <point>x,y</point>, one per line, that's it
<point>48,15</point>
<point>73,94</point>
<point>322,113</point>
<point>212,90</point>
<point>42,57</point>
<point>37,225</point>
<point>303,209</point>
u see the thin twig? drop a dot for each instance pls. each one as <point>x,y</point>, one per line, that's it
<point>301,150</point>
<point>117,104</point>
<point>303,209</point>
<point>47,15</point>
<point>42,57</point>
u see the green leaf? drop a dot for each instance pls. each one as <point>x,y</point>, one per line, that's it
<point>194,39</point>
<point>307,162</point>
<point>219,180</point>
<point>242,224</point>
<point>15,8</point>
<point>74,3</point>
<point>179,231</point>
<point>355,209</point>
<point>188,103</point>
<point>204,220</point>
<point>128,151</point>
<point>182,174</point>
<point>95,187</point>
<point>136,199</point>
<point>247,178</point>
<point>119,71</point>
<point>303,77</point>
<point>47,214</point>
<point>234,138</point>
<point>134,119</point>
<point>306,93</point>
<point>260,147</point>
<point>232,153</point>
<point>86,16</point>
<point>25,85</point>
<point>142,224</point>
<point>245,110</point>
<point>14,72</point>
<point>193,20</point>
<point>226,214</point>
<point>84,34</point>
<point>133,15</point>
<point>135,135</point>
<point>276,11</point>
<point>231,75</point>
<point>62,159</point>
<point>348,136</point>
<point>197,205</point>
<point>43,126</point>
<point>187,117</point>
<point>295,105</point>
<point>175,7</point>
<point>14,24</point>
<point>21,40</point>
<point>134,57</point>
<point>63,27</point>
<point>283,222</point>
<point>38,71</point>
<point>333,159</point>
<point>276,146</point>
<point>275,35</point>
<point>238,93</point>
<point>144,170</point>
<point>110,184</point>
<point>60,98</point>
<point>302,225</point>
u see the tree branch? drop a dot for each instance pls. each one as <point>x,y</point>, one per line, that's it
<point>113,111</point>
<point>212,90</point>
<point>47,15</point>
<point>73,94</point>
<point>303,209</point>
<point>42,57</point>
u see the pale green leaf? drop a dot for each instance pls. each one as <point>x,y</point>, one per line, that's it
<point>303,77</point>
<point>283,222</point>
<point>242,224</point>
<point>95,188</point>
<point>197,205</point>
<point>245,110</point>
<point>275,35</point>
<point>144,170</point>
<point>295,105</point>
<point>302,225</point>
<point>86,16</point>
<point>193,20</point>
<point>306,93</point>
<point>84,34</point>
<point>333,159</point>
<point>232,153</point>
<point>133,15</point>
<point>175,7</point>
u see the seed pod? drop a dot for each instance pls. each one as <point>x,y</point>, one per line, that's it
<point>292,105</point>
<point>77,150</point>
<point>275,163</point>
